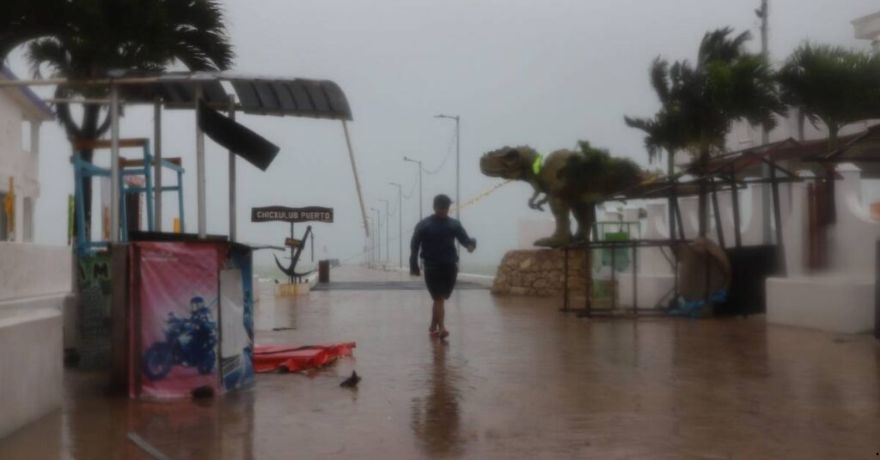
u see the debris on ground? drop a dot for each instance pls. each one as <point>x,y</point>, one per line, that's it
<point>352,381</point>
<point>285,358</point>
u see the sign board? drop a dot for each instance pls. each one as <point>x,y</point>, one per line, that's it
<point>292,242</point>
<point>293,215</point>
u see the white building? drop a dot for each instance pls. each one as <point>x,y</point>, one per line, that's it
<point>21,113</point>
<point>35,280</point>
<point>868,28</point>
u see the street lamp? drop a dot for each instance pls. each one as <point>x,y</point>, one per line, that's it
<point>457,162</point>
<point>399,220</point>
<point>419,162</point>
<point>378,230</point>
<point>387,233</point>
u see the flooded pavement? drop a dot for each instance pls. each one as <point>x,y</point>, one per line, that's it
<point>516,379</point>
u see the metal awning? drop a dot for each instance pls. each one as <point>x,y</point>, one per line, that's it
<point>256,95</point>
<point>862,149</point>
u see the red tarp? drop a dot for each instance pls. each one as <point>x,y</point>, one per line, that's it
<point>271,358</point>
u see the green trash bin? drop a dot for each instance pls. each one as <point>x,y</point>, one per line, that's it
<point>621,256</point>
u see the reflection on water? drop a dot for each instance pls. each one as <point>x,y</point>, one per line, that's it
<point>436,417</point>
<point>273,313</point>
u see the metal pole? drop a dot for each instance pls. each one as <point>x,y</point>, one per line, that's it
<point>565,279</point>
<point>292,236</point>
<point>717,211</point>
<point>400,225</point>
<point>399,221</point>
<point>763,14</point>
<point>670,172</point>
<point>200,169</point>
<point>777,214</point>
<point>614,277</point>
<point>635,275</point>
<point>357,181</point>
<point>734,193</point>
<point>157,157</point>
<point>421,216</point>
<point>457,169</point>
<point>387,232</point>
<point>233,228</point>
<point>378,244</point>
<point>114,164</point>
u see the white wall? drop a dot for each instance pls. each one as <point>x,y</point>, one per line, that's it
<point>29,270</point>
<point>30,366</point>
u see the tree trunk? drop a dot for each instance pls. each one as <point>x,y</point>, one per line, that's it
<point>89,129</point>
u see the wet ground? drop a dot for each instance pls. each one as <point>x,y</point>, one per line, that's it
<point>516,379</point>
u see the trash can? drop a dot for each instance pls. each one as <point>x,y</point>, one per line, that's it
<point>324,271</point>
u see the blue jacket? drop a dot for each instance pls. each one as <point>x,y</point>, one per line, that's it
<point>436,237</point>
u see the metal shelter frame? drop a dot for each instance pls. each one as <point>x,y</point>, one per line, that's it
<point>722,175</point>
<point>144,167</point>
<point>261,96</point>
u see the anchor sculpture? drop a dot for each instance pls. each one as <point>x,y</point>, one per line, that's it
<point>295,252</point>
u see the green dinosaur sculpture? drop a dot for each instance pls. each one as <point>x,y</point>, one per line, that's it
<point>571,182</point>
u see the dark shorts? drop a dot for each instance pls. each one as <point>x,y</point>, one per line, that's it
<point>441,280</point>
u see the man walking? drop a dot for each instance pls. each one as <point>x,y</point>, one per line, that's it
<point>435,236</point>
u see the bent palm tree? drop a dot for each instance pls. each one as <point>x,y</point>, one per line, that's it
<point>700,102</point>
<point>833,85</point>
<point>86,39</point>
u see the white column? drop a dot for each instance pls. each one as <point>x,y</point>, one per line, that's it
<point>114,164</point>
<point>200,170</point>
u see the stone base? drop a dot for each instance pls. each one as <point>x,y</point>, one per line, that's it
<point>539,273</point>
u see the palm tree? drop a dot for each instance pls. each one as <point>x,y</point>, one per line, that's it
<point>87,38</point>
<point>664,131</point>
<point>833,85</point>
<point>700,102</point>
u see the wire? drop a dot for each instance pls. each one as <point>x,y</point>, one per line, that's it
<point>484,194</point>
<point>411,190</point>
<point>445,159</point>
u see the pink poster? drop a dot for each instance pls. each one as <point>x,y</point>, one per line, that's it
<point>179,339</point>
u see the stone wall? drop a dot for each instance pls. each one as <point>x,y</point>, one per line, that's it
<point>539,272</point>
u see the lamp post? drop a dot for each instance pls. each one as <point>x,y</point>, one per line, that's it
<point>387,233</point>
<point>378,231</point>
<point>457,161</point>
<point>419,163</point>
<point>399,220</point>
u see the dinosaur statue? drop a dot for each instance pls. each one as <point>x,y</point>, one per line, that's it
<point>570,181</point>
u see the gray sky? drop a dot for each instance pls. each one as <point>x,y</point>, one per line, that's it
<point>545,73</point>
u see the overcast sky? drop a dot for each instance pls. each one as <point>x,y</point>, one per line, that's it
<point>545,73</point>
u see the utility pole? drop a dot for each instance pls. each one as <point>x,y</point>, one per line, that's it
<point>763,14</point>
<point>457,161</point>
<point>418,162</point>
<point>387,233</point>
<point>378,234</point>
<point>399,220</point>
